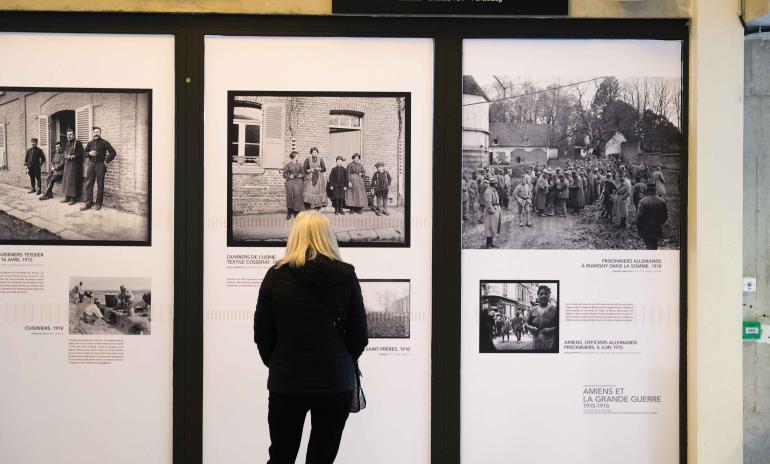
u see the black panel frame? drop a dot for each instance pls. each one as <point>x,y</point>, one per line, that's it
<point>447,33</point>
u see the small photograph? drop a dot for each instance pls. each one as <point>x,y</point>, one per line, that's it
<point>343,154</point>
<point>110,306</point>
<point>75,166</point>
<point>572,144</point>
<point>519,316</point>
<point>387,307</point>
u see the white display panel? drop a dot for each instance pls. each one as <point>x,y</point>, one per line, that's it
<point>71,396</point>
<point>395,427</point>
<point>608,389</point>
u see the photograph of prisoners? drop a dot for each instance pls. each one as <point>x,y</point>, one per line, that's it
<point>572,144</point>
<point>75,166</point>
<point>343,154</point>
<point>387,307</point>
<point>519,316</point>
<point>109,306</point>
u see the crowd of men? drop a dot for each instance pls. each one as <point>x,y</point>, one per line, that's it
<point>66,168</point>
<point>615,185</point>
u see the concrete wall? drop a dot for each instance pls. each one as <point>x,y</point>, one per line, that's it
<point>715,368</point>
<point>756,250</point>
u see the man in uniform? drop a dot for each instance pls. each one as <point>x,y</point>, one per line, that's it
<point>651,214</point>
<point>34,160</point>
<point>491,213</point>
<point>100,153</point>
<point>55,171</point>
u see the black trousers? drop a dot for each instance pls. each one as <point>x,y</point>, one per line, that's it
<point>95,171</point>
<point>53,177</point>
<point>286,416</point>
<point>35,175</point>
<point>651,243</point>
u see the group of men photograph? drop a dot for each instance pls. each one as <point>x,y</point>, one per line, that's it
<point>609,182</point>
<point>65,167</point>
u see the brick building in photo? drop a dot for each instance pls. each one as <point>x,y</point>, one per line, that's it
<point>122,116</point>
<point>265,128</point>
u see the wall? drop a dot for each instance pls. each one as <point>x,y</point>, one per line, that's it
<point>714,352</point>
<point>756,254</point>
<point>715,220</point>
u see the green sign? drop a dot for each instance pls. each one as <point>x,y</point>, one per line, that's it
<point>752,330</point>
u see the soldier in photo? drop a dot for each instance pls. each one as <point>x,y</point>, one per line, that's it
<point>295,186</point>
<point>315,182</point>
<point>100,153</point>
<point>72,177</point>
<point>355,197</point>
<point>491,213</point>
<point>55,172</point>
<point>338,185</point>
<point>33,161</point>
<point>381,183</point>
<point>650,217</point>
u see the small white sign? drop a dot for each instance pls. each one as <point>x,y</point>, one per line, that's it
<point>749,284</point>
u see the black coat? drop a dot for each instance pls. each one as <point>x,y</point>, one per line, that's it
<point>651,214</point>
<point>294,328</point>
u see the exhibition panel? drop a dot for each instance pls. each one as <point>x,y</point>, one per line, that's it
<point>572,156</point>
<point>86,246</point>
<point>287,121</point>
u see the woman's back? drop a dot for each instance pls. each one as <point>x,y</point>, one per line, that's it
<point>294,326</point>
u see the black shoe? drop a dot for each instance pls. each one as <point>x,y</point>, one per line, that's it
<point>87,206</point>
<point>386,213</point>
<point>32,191</point>
<point>46,197</point>
<point>65,200</point>
<point>39,191</point>
<point>98,207</point>
<point>72,202</point>
<point>377,212</point>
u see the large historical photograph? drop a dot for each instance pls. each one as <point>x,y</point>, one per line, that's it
<point>387,307</point>
<point>572,144</point>
<point>344,154</point>
<point>110,306</point>
<point>75,166</point>
<point>519,316</point>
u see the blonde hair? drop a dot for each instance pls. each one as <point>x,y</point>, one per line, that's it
<point>310,236</point>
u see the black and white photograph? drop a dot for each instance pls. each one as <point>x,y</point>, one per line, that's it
<point>572,144</point>
<point>75,166</point>
<point>341,153</point>
<point>387,307</point>
<point>518,316</point>
<point>109,306</point>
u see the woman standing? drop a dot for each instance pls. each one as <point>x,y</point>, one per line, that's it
<point>355,197</point>
<point>315,184</point>
<point>295,186</point>
<point>543,320</point>
<point>310,327</point>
